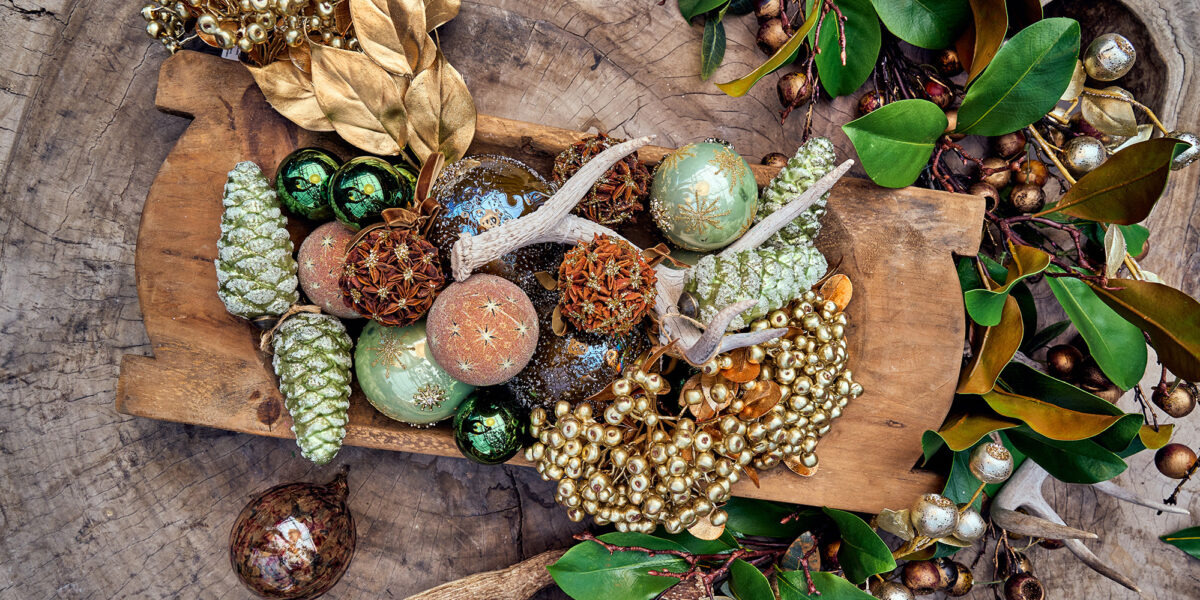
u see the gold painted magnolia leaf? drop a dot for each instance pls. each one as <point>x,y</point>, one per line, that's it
<point>1109,115</point>
<point>392,33</point>
<point>301,56</point>
<point>441,112</point>
<point>290,91</point>
<point>364,102</point>
<point>439,12</point>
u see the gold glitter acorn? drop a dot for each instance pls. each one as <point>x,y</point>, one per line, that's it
<point>607,286</point>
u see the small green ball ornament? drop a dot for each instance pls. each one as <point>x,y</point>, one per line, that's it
<point>363,187</point>
<point>704,196</point>
<point>302,182</point>
<point>399,378</point>
<point>489,428</point>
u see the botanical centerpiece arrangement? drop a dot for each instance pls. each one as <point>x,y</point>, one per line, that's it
<point>515,306</point>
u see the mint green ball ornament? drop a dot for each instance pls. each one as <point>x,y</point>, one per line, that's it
<point>398,376</point>
<point>302,182</point>
<point>363,187</point>
<point>704,196</point>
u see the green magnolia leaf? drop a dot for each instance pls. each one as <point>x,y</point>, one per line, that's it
<point>748,583</point>
<point>992,348</point>
<point>1045,336</point>
<point>960,483</point>
<point>1023,81</point>
<point>1073,462</point>
<point>991,25</point>
<point>1169,316</point>
<point>931,442</point>
<point>1116,344</point>
<point>1050,420</point>
<point>786,54</point>
<point>862,553</point>
<point>863,40</point>
<point>725,543</point>
<point>963,430</point>
<point>932,24</point>
<point>1022,379</point>
<point>712,48</point>
<point>588,572</point>
<point>986,305</point>
<point>1122,190</point>
<point>748,516</point>
<point>1029,311</point>
<point>690,9</point>
<point>1187,540</point>
<point>895,142</point>
<point>793,586</point>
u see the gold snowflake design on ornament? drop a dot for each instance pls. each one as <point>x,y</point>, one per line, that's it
<point>389,353</point>
<point>699,212</point>
<point>429,397</point>
<point>673,159</point>
<point>730,164</point>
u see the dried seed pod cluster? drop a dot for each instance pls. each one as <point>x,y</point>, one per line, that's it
<point>607,286</point>
<point>638,463</point>
<point>619,194</point>
<point>391,276</point>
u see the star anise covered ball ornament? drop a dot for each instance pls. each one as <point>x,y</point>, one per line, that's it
<point>607,286</point>
<point>617,196</point>
<point>391,276</point>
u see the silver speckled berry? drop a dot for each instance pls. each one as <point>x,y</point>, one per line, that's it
<point>1108,57</point>
<point>991,463</point>
<point>934,516</point>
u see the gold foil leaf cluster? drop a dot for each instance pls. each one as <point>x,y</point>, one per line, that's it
<point>396,90</point>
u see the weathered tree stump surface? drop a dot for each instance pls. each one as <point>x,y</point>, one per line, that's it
<point>99,505</point>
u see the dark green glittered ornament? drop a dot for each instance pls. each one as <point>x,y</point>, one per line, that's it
<point>302,182</point>
<point>489,427</point>
<point>363,187</point>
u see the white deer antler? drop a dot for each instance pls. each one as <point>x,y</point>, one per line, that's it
<point>1024,490</point>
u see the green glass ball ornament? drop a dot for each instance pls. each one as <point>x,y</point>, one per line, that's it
<point>398,376</point>
<point>489,428</point>
<point>704,196</point>
<point>363,187</point>
<point>302,182</point>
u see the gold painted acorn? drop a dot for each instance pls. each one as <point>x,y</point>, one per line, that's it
<point>991,463</point>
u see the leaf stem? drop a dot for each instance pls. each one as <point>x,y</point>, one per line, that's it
<point>1045,146</point>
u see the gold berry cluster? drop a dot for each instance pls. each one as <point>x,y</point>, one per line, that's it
<point>264,25</point>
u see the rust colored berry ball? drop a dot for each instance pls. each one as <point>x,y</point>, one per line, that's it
<point>321,259</point>
<point>607,286</point>
<point>483,330</point>
<point>391,276</point>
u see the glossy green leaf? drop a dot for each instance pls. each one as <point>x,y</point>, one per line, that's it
<point>748,583</point>
<point>1045,336</point>
<point>990,27</point>
<point>862,553</point>
<point>1187,540</point>
<point>932,24</point>
<point>793,586</point>
<point>712,48</point>
<point>895,142</point>
<point>785,54</point>
<point>1048,419</point>
<point>931,442</point>
<point>1122,190</point>
<point>964,430</point>
<point>987,305</point>
<point>1073,462</point>
<point>724,543</point>
<point>960,483</point>
<point>991,350</point>
<point>748,516</point>
<point>588,572</point>
<point>1169,316</point>
<point>1116,344</point>
<point>863,40</point>
<point>690,9</point>
<point>1023,81</point>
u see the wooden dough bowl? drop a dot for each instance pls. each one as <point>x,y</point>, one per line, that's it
<point>906,318</point>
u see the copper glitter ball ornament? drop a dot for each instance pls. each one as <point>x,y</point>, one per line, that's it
<point>483,330</point>
<point>391,276</point>
<point>321,260</point>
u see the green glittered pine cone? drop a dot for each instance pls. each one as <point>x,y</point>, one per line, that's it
<point>772,276</point>
<point>256,274</point>
<point>312,361</point>
<point>812,161</point>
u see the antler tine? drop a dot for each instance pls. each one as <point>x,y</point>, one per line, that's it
<point>1121,493</point>
<point>1090,559</point>
<point>469,252</point>
<point>778,219</point>
<point>699,349</point>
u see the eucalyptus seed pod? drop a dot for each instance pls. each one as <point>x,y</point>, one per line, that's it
<point>1027,198</point>
<point>1010,143</point>
<point>933,516</point>
<point>1082,154</point>
<point>1174,460</point>
<point>991,463</point>
<point>971,525</point>
<point>1000,175</point>
<point>887,590</point>
<point>948,63</point>
<point>1108,57</point>
<point>775,159</point>
<point>991,196</point>
<point>947,573</point>
<point>771,36</point>
<point>1188,156</point>
<point>1178,402</point>
<point>1061,360</point>
<point>963,581</point>
<point>1024,587</point>
<point>869,102</point>
<point>1032,171</point>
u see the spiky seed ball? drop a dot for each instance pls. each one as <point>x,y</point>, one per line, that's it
<point>391,276</point>
<point>619,194</point>
<point>607,285</point>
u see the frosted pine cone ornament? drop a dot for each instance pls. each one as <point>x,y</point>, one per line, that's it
<point>812,161</point>
<point>312,361</point>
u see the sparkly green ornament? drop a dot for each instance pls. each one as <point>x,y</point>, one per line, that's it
<point>704,196</point>
<point>363,187</point>
<point>398,376</point>
<point>302,182</point>
<point>489,428</point>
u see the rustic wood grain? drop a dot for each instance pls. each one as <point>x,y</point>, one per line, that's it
<point>101,505</point>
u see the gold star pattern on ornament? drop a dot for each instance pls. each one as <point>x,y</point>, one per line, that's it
<point>486,336</point>
<point>699,212</point>
<point>728,162</point>
<point>389,353</point>
<point>429,397</point>
<point>490,305</point>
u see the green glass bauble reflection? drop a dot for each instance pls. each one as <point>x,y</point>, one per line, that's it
<point>302,182</point>
<point>398,376</point>
<point>363,187</point>
<point>489,428</point>
<point>704,196</point>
